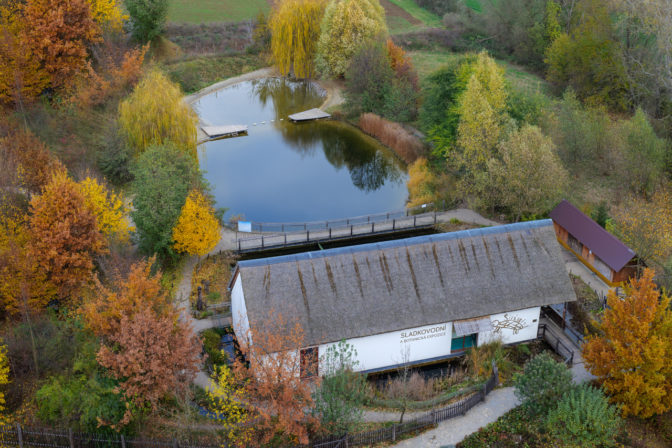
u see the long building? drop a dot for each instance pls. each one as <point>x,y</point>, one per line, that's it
<point>413,300</point>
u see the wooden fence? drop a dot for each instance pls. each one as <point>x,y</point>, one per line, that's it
<point>18,436</point>
<point>391,433</point>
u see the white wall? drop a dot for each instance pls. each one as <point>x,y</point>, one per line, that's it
<point>387,349</point>
<point>515,326</point>
<point>241,324</point>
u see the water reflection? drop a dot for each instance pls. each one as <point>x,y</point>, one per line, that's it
<point>284,171</point>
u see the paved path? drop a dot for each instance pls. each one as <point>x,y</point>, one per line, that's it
<point>576,267</point>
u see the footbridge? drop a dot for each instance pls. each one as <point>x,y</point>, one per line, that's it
<point>275,236</point>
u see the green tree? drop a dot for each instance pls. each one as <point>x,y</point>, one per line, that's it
<point>155,114</point>
<point>584,418</point>
<point>529,178</point>
<point>295,29</point>
<point>601,214</point>
<point>164,175</point>
<point>543,382</point>
<point>644,153</point>
<point>147,18</point>
<point>589,59</point>
<point>346,24</point>
<point>339,398</point>
<point>369,79</point>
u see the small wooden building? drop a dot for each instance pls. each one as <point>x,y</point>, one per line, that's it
<point>430,297</point>
<point>599,250</point>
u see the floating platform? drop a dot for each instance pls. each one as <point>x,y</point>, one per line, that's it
<point>308,115</point>
<point>224,131</point>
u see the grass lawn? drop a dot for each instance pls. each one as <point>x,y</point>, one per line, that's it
<point>201,11</point>
<point>427,61</point>
<point>426,17</point>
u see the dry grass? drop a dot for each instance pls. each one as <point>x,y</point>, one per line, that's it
<point>215,272</point>
<point>418,388</point>
<point>406,145</point>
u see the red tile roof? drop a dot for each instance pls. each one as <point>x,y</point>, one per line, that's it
<point>602,243</point>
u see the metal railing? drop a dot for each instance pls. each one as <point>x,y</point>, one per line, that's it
<point>281,227</point>
<point>547,334</point>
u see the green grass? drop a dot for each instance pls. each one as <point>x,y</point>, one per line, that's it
<point>428,61</point>
<point>195,74</point>
<point>426,17</point>
<point>201,11</point>
<point>474,4</point>
<point>399,25</point>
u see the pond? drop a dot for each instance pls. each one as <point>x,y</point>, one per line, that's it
<point>293,172</point>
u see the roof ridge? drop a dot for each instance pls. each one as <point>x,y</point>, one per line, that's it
<point>410,241</point>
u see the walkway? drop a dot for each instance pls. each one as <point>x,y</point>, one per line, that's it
<point>576,267</point>
<point>346,229</point>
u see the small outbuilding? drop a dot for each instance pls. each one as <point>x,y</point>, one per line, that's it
<point>599,250</point>
<point>414,300</point>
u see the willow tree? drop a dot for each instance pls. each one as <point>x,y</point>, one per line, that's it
<point>155,114</point>
<point>295,29</point>
<point>346,24</point>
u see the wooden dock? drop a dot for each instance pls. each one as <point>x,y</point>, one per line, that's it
<point>308,115</point>
<point>232,130</point>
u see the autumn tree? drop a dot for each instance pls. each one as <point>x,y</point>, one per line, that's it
<point>197,228</point>
<point>108,208</point>
<point>64,235</point>
<point>147,18</point>
<point>164,176</point>
<point>645,226</point>
<point>107,14</point>
<point>295,30</point>
<point>228,403</point>
<point>151,356</point>
<point>22,76</point>
<point>59,32</point>
<point>4,380</point>
<point>346,24</point>
<point>630,356</point>
<point>155,114</point>
<point>141,290</point>
<point>279,399</point>
<point>529,179</point>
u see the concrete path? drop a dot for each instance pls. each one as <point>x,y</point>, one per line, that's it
<point>574,266</point>
<point>496,404</point>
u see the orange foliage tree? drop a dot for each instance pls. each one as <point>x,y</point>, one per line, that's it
<point>151,356</point>
<point>280,401</point>
<point>632,356</point>
<point>59,32</point>
<point>36,165</point>
<point>64,235</point>
<point>401,63</point>
<point>144,345</point>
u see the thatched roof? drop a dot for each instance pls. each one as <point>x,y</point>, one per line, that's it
<point>606,246</point>
<point>394,285</point>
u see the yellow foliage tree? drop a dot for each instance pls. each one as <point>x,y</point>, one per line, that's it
<point>108,14</point>
<point>295,29</point>
<point>420,183</point>
<point>646,226</point>
<point>227,400</point>
<point>346,24</point>
<point>4,379</point>
<point>197,228</point>
<point>631,357</point>
<point>155,114</point>
<point>491,77</point>
<point>23,283</point>
<point>108,208</point>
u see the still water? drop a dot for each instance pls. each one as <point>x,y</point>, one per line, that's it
<point>288,172</point>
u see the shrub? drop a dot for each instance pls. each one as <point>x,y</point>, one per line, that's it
<point>479,359</point>
<point>425,185</point>
<point>147,17</point>
<point>543,382</point>
<point>211,340</point>
<point>584,418</point>
<point>405,144</point>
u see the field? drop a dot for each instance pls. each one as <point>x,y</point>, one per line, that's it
<point>427,61</point>
<point>402,15</point>
<point>203,11</point>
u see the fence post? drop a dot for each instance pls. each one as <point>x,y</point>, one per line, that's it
<point>415,217</point>
<point>394,432</point>
<point>238,245</point>
<point>175,443</point>
<point>434,217</point>
<point>307,235</point>
<point>329,232</point>
<point>285,239</point>
<point>394,223</point>
<point>19,434</point>
<point>262,241</point>
<point>372,226</point>
<point>71,439</point>
<point>123,441</point>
